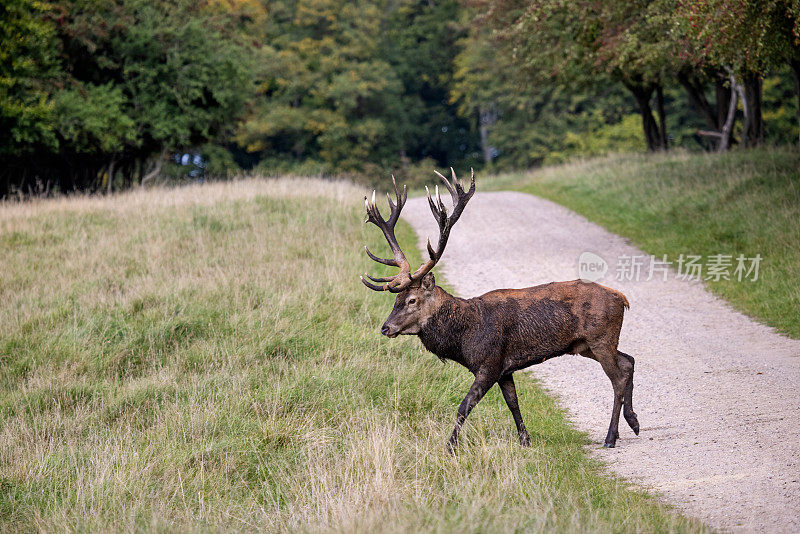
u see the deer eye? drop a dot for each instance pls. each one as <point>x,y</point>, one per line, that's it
<point>411,301</point>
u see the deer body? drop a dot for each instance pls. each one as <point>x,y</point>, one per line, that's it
<point>505,330</point>
<point>511,329</point>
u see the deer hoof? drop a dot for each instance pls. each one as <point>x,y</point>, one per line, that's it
<point>608,445</point>
<point>633,422</point>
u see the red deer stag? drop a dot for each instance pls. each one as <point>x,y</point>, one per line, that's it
<point>504,330</point>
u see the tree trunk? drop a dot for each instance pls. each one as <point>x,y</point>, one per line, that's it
<point>156,170</point>
<point>745,112</point>
<point>642,96</point>
<point>111,175</point>
<point>753,130</point>
<point>137,171</point>
<point>697,97</point>
<point>722,94</point>
<point>725,139</point>
<point>662,126</point>
<point>404,158</point>
<point>794,64</point>
<point>487,117</point>
<point>487,150</point>
<point>652,132</point>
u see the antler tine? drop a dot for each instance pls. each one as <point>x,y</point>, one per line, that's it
<point>401,200</point>
<point>455,180</point>
<point>431,252</point>
<point>437,208</point>
<point>370,285</point>
<point>385,287</point>
<point>373,213</point>
<point>382,279</point>
<point>372,256</point>
<point>402,279</point>
<point>374,216</point>
<point>453,190</point>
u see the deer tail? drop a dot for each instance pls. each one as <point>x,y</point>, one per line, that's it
<point>625,302</point>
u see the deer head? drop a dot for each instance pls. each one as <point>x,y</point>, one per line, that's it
<point>416,299</point>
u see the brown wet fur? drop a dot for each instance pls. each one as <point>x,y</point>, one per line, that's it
<point>505,330</point>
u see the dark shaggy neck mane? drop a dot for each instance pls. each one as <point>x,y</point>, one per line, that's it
<point>443,333</point>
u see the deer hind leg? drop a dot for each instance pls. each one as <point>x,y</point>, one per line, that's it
<point>626,363</point>
<point>510,395</point>
<point>607,357</point>
<point>483,382</point>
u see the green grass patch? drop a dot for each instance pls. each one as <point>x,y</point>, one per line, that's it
<point>216,365</point>
<point>738,203</point>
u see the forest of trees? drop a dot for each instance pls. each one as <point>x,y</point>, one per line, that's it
<point>100,95</point>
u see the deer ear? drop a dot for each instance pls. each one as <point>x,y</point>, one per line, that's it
<point>428,282</point>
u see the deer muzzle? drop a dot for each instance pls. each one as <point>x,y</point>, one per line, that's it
<point>389,331</point>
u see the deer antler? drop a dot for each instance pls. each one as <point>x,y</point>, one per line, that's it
<point>405,278</point>
<point>460,199</point>
<point>401,280</point>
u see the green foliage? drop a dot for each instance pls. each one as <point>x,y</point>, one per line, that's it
<point>420,42</point>
<point>325,93</point>
<point>539,122</point>
<point>27,70</point>
<point>622,136</point>
<point>550,48</point>
<point>92,119</point>
<point>554,126</point>
<point>220,162</point>
<point>187,78</point>
<point>116,81</point>
<point>574,43</point>
<point>369,87</point>
<point>780,107</point>
<point>743,35</point>
<point>176,76</point>
<point>356,86</point>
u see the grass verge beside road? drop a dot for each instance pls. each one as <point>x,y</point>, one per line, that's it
<point>742,202</point>
<point>206,358</point>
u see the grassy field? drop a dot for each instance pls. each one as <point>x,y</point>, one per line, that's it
<point>206,358</point>
<point>743,202</point>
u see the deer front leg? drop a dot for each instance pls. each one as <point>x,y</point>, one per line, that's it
<point>483,382</point>
<point>510,395</point>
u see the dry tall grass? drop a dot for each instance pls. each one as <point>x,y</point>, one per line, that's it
<point>205,358</point>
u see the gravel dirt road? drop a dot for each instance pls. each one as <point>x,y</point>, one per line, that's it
<point>717,394</point>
